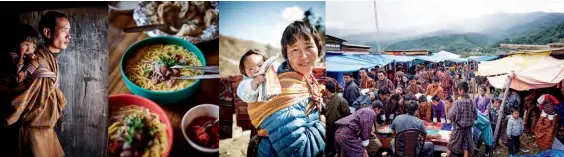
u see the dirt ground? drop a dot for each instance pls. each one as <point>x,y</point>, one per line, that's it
<point>528,147</point>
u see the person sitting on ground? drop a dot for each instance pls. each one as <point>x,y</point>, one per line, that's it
<point>409,121</point>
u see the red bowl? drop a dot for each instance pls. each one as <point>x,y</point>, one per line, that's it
<point>128,99</point>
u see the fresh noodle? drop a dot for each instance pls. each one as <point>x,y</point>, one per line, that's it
<point>142,60</point>
<point>118,129</point>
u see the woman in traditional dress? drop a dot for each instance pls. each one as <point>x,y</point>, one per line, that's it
<point>546,125</point>
<point>290,124</point>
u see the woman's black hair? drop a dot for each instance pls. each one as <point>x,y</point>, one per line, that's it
<point>244,57</point>
<point>300,30</point>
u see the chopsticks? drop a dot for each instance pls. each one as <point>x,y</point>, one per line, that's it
<point>211,76</point>
<point>209,69</point>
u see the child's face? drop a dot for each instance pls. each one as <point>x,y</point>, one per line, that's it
<point>27,47</point>
<point>482,92</point>
<point>252,65</point>
<point>515,114</point>
<point>302,55</point>
<point>412,81</point>
<point>399,90</point>
<point>435,103</point>
<point>496,104</point>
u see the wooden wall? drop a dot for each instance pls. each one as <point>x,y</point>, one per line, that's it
<point>84,81</point>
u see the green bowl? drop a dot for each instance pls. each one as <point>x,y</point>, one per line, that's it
<point>163,97</point>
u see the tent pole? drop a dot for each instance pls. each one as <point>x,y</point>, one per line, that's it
<point>500,114</point>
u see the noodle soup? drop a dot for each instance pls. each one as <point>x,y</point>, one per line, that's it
<point>135,131</point>
<point>149,67</point>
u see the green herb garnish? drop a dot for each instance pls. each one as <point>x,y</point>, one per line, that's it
<point>167,61</point>
<point>134,124</point>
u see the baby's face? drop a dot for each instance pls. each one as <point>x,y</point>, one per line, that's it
<point>27,47</point>
<point>252,65</point>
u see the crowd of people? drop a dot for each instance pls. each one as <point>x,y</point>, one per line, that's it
<point>435,94</point>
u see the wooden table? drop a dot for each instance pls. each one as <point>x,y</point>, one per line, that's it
<point>208,92</point>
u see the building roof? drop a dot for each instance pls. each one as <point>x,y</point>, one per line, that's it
<point>329,37</point>
<point>355,45</point>
<point>405,50</point>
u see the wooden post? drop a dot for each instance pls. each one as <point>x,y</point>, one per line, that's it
<point>500,114</point>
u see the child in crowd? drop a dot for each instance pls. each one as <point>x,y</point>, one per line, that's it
<point>249,66</point>
<point>438,110</point>
<point>514,130</point>
<point>494,113</point>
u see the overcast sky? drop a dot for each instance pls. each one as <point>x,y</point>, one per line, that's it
<point>424,15</point>
<point>263,22</point>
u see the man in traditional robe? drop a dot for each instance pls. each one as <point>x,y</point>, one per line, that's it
<point>365,81</point>
<point>435,89</point>
<point>351,89</point>
<point>384,82</point>
<point>446,82</point>
<point>337,108</point>
<point>353,132</point>
<point>462,115</point>
<point>374,73</point>
<point>422,77</point>
<point>413,87</point>
<point>39,107</point>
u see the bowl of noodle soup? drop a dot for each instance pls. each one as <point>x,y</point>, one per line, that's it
<point>138,127</point>
<point>145,68</point>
